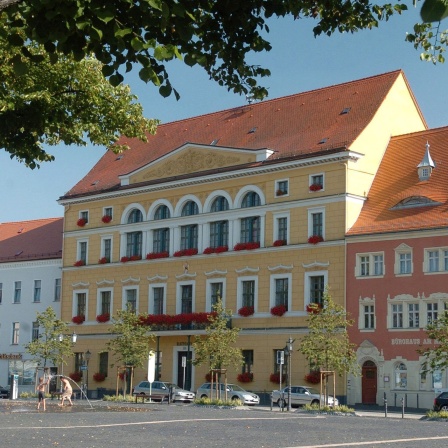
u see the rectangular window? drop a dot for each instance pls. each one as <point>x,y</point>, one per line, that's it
<point>318,179</point>
<point>431,312</point>
<point>317,223</point>
<point>433,259</point>
<point>108,211</point>
<point>79,361</point>
<point>57,289</point>
<point>364,264</point>
<point>282,226</point>
<point>158,293</point>
<point>215,293</point>
<point>103,363</point>
<point>161,240</point>
<point>186,298</point>
<point>370,265</point>
<point>413,315</point>
<point>369,316</point>
<point>81,301</point>
<point>134,244</point>
<point>189,237</point>
<point>105,302</point>
<point>248,364</point>
<point>282,188</point>
<point>82,251</point>
<point>107,249</point>
<point>15,333</point>
<point>248,288</point>
<point>445,260</point>
<point>37,290</point>
<point>84,215</point>
<point>397,316</point>
<point>250,230</point>
<point>1,292</point>
<point>378,264</point>
<point>131,300</point>
<point>317,289</point>
<point>219,234</point>
<point>281,292</point>
<point>17,291</point>
<point>35,331</point>
<point>405,263</point>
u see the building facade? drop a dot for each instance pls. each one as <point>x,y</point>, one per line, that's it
<point>397,267</point>
<point>30,282</point>
<point>250,204</point>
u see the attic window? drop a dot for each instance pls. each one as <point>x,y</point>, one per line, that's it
<point>19,253</point>
<point>213,143</point>
<point>119,157</point>
<point>20,230</point>
<point>415,201</point>
<point>345,111</point>
<point>324,140</point>
<point>94,183</point>
<point>252,131</point>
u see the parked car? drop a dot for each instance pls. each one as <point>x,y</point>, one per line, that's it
<point>163,388</point>
<point>234,392</point>
<point>4,392</point>
<point>300,396</point>
<point>441,402</point>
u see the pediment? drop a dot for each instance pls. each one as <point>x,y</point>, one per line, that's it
<point>191,158</point>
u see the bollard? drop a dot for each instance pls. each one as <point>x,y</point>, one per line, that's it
<point>385,405</point>
<point>402,408</point>
<point>272,401</point>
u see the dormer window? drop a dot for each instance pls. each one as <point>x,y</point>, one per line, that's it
<point>425,167</point>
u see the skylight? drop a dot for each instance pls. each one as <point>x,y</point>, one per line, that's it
<point>345,111</point>
<point>323,140</point>
<point>252,130</point>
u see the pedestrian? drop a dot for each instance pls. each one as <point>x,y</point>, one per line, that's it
<point>41,393</point>
<point>67,392</point>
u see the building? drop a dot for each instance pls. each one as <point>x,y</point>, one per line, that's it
<point>30,282</point>
<point>251,204</point>
<point>397,267</point>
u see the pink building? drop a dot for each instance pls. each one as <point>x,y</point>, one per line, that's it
<point>397,271</point>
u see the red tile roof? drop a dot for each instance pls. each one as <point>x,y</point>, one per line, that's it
<point>397,179</point>
<point>292,125</point>
<point>39,239</point>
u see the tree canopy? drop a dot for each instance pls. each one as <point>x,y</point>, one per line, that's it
<point>437,356</point>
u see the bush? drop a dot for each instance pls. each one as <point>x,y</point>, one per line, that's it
<point>342,408</point>
<point>119,399</point>
<point>437,414</point>
<point>217,402</point>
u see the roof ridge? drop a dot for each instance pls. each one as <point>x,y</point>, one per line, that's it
<point>31,220</point>
<point>423,132</point>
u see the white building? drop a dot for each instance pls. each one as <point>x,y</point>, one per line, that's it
<point>30,282</point>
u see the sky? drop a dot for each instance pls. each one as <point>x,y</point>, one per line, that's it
<point>298,63</point>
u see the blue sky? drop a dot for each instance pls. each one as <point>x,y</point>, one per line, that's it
<point>298,62</point>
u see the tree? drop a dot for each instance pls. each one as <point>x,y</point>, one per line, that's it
<point>327,344</point>
<point>46,100</point>
<point>437,357</point>
<point>131,342</point>
<point>49,347</point>
<point>216,348</point>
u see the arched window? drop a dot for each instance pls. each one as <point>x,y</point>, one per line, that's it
<point>401,376</point>
<point>135,216</point>
<point>251,199</point>
<point>220,204</point>
<point>162,212</point>
<point>190,208</point>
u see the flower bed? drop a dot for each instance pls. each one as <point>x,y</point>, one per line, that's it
<point>313,308</point>
<point>155,255</point>
<point>315,187</point>
<point>125,259</point>
<point>103,260</point>
<point>247,246</point>
<point>99,377</point>
<point>78,319</point>
<point>314,239</point>
<point>76,376</point>
<point>279,243</point>
<point>167,320</point>
<point>81,222</point>
<point>245,377</point>
<point>101,318</point>
<point>79,263</point>
<point>246,311</point>
<point>275,378</point>
<point>313,377</point>
<point>216,250</point>
<point>278,310</point>
<point>186,252</point>
<point>106,219</point>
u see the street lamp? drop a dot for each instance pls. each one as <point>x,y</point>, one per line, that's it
<point>61,338</point>
<point>87,356</point>
<point>288,350</point>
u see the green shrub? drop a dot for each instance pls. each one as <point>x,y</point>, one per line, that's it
<point>437,414</point>
<point>119,399</point>
<point>341,408</point>
<point>28,394</point>
<point>217,402</point>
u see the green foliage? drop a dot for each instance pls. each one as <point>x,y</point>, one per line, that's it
<point>342,408</point>
<point>437,414</point>
<point>431,40</point>
<point>120,398</point>
<point>130,343</point>
<point>217,402</point>
<point>217,347</point>
<point>434,10</point>
<point>437,356</point>
<point>47,347</point>
<point>327,345</point>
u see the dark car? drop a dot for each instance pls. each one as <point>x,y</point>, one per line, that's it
<point>4,392</point>
<point>441,402</point>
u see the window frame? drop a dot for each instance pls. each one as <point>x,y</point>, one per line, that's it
<point>283,186</point>
<point>273,290</point>
<point>311,227</point>
<point>125,300</point>
<point>240,291</point>
<point>208,296</point>
<point>75,297</point>
<point>441,260</point>
<point>366,262</point>
<point>317,176</point>
<point>307,285</point>
<point>99,300</point>
<point>151,296</point>
<point>179,297</point>
<point>17,297</point>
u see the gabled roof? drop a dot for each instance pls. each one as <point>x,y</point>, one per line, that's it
<point>297,125</point>
<point>39,239</point>
<point>398,200</point>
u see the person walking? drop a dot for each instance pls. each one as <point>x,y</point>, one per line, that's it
<point>67,392</point>
<point>41,393</point>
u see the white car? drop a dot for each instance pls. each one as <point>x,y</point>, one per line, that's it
<point>163,388</point>
<point>300,396</point>
<point>234,392</point>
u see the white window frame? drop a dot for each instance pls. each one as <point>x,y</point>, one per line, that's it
<point>276,217</point>
<point>78,249</point>
<point>274,277</point>
<point>75,301</point>
<point>441,258</point>
<point>106,209</point>
<point>84,214</point>
<point>111,238</point>
<point>15,339</point>
<point>405,302</point>
<point>99,303</point>
<point>312,211</point>
<point>239,291</point>
<point>311,179</point>
<point>124,294</point>
<point>371,265</point>
<point>208,283</point>
<point>151,296</point>
<point>306,291</point>
<point>179,295</point>
<point>277,182</point>
<point>37,291</point>
<point>403,249</point>
<point>361,317</point>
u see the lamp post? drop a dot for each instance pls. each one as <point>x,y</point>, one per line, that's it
<point>288,350</point>
<point>87,356</point>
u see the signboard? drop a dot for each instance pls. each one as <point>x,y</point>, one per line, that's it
<point>151,366</point>
<point>280,357</point>
<point>83,368</point>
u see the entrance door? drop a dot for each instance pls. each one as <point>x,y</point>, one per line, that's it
<point>184,370</point>
<point>369,383</point>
